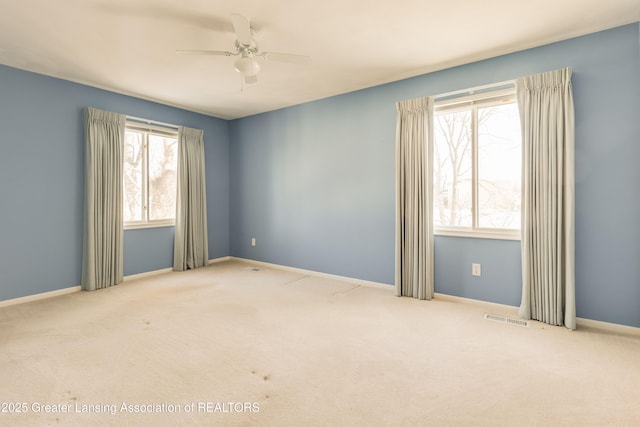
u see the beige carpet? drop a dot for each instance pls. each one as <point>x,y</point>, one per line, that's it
<point>227,345</point>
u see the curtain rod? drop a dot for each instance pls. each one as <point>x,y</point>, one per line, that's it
<point>152,122</point>
<point>472,90</point>
<point>500,95</point>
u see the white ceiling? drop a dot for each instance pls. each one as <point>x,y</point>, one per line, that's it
<point>129,46</point>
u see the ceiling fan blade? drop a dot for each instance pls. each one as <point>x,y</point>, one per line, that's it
<point>207,52</point>
<point>251,79</point>
<point>242,29</point>
<point>287,57</point>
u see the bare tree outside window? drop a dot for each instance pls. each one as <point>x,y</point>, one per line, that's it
<point>499,167</point>
<point>452,169</point>
<point>133,182</point>
<point>150,178</point>
<point>163,161</point>
<point>492,134</point>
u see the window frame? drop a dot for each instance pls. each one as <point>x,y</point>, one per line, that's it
<point>473,99</point>
<point>147,128</point>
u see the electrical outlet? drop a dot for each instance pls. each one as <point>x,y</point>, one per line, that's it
<point>253,241</point>
<point>476,269</point>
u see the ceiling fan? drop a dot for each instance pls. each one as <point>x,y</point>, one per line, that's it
<point>247,49</point>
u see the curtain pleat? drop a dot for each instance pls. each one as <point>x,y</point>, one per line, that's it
<point>102,258</point>
<point>414,196</point>
<point>190,248</point>
<point>545,102</point>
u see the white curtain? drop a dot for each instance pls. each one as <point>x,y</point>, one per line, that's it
<point>545,102</point>
<point>414,198</point>
<point>102,258</point>
<point>190,248</point>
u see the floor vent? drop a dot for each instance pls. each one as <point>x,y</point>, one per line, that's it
<point>508,320</point>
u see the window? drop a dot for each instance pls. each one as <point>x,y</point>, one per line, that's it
<point>150,176</point>
<point>477,165</point>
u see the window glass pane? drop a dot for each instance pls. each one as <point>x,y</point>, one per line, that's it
<point>133,183</point>
<point>499,167</point>
<point>452,169</point>
<point>163,161</point>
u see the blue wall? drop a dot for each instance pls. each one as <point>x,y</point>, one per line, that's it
<point>314,183</point>
<point>42,190</point>
<point>500,281</point>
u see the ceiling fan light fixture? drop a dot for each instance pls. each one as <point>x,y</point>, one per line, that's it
<point>246,66</point>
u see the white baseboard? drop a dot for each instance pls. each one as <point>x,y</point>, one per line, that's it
<point>45,295</point>
<point>489,306</point>
<point>613,328</point>
<point>51,294</point>
<point>146,274</point>
<point>40,296</point>
<point>513,311</point>
<point>168,270</point>
<point>317,274</point>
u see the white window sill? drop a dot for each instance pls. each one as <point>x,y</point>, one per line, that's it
<point>149,225</point>
<point>479,234</point>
